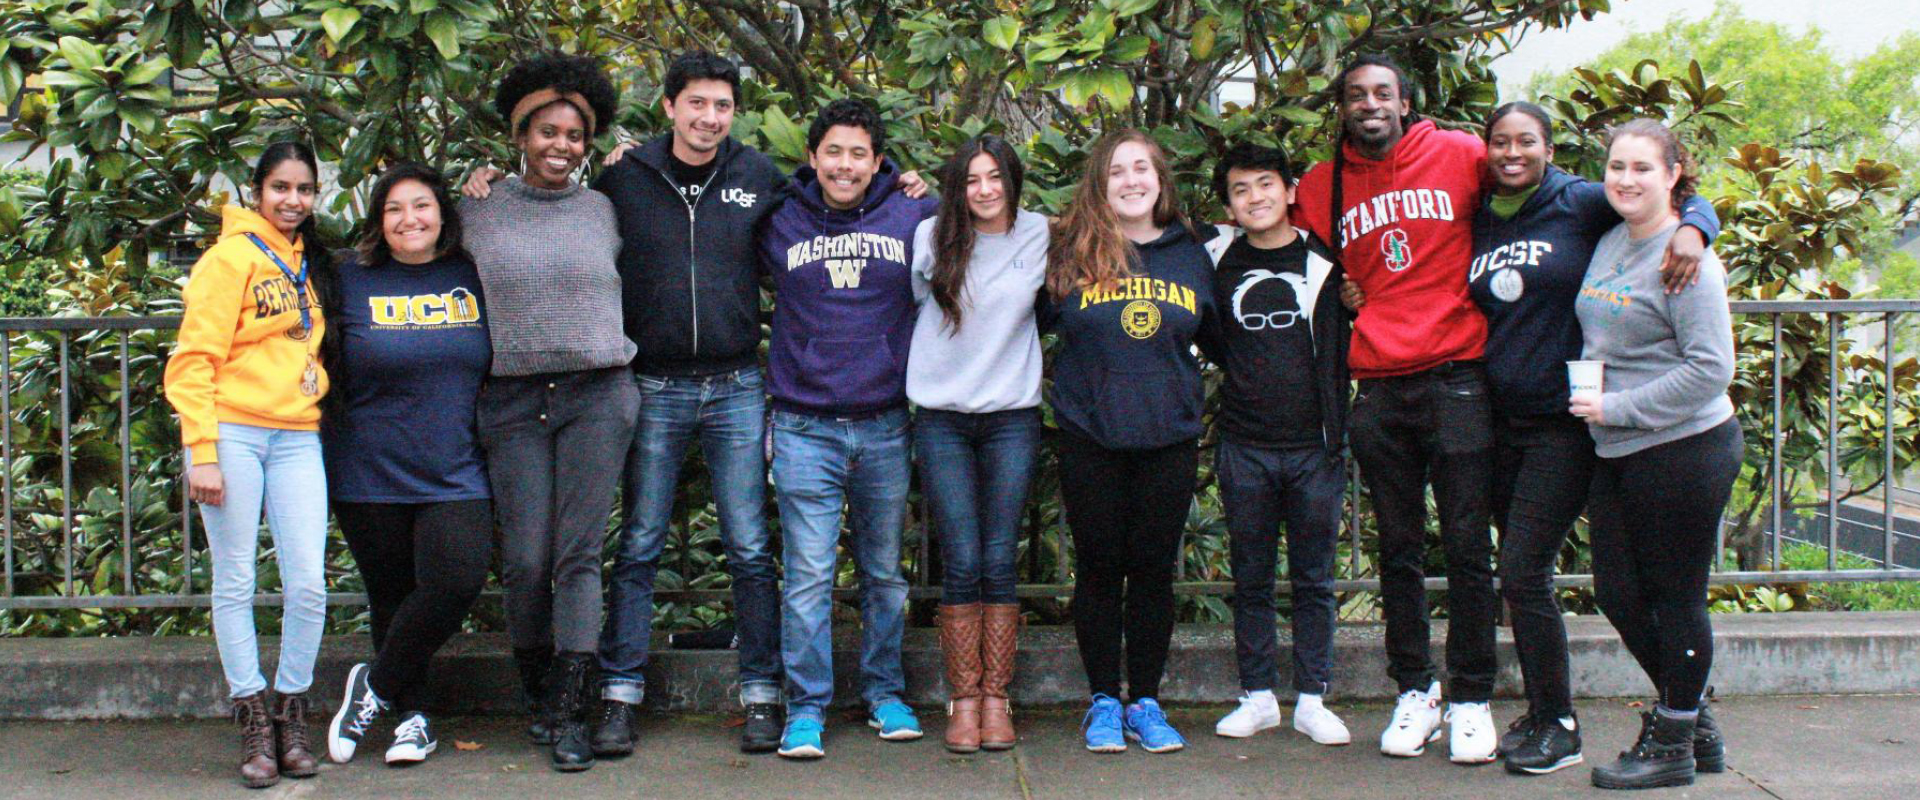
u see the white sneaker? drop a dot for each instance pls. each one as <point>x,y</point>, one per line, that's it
<point>1416,721</point>
<point>1473,739</point>
<point>412,741</point>
<point>1318,722</point>
<point>1258,711</point>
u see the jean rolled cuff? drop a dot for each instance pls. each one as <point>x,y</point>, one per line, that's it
<point>629,692</point>
<point>759,692</point>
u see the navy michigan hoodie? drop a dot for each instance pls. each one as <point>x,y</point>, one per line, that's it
<point>1525,274</point>
<point>1125,374</point>
<point>843,308</point>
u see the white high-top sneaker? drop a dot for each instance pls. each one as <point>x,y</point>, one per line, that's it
<point>1318,722</point>
<point>1258,711</point>
<point>1472,738</point>
<point>1416,721</point>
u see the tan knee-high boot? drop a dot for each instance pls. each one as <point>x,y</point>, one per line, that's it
<point>960,642</point>
<point>1000,629</point>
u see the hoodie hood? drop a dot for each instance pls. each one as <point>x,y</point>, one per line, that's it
<point>807,189</point>
<point>240,221</point>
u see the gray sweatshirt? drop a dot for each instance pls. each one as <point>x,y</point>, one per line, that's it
<point>1669,357</point>
<point>992,362</point>
<point>546,259</point>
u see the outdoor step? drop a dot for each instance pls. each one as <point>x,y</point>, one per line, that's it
<point>179,676</point>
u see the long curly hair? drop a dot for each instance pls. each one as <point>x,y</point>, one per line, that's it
<point>1088,249</point>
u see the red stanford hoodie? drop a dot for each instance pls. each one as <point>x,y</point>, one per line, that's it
<point>1407,230</point>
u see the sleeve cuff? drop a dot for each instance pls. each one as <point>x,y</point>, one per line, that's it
<point>205,452</point>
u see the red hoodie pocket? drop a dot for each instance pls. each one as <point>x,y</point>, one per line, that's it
<point>1411,332</point>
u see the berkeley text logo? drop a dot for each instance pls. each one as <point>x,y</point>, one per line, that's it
<point>739,197</point>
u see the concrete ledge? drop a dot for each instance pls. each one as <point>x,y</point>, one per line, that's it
<point>1824,653</point>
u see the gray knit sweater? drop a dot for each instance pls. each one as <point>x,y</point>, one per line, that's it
<point>546,259</point>
<point>1669,357</point>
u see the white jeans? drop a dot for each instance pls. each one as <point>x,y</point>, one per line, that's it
<point>281,471</point>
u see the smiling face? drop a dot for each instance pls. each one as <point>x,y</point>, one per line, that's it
<point>286,195</point>
<point>1371,105</point>
<point>410,220</point>
<point>1639,182</point>
<point>987,194</point>
<point>1518,152</point>
<point>846,164</point>
<point>702,116</point>
<point>554,143</point>
<point>1133,186</point>
<point>1257,199</point>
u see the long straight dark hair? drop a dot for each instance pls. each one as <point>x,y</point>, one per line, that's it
<point>953,233</point>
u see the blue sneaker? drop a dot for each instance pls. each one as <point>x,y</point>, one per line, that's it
<point>1102,726</point>
<point>1147,724</point>
<point>802,739</point>
<point>895,722</point>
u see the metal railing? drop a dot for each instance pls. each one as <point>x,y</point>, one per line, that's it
<point>57,337</point>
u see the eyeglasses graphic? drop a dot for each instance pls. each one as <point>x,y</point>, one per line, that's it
<point>1275,320</point>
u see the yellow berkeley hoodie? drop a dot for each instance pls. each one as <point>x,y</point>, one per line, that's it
<point>242,356</point>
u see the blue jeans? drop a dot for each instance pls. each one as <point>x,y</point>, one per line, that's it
<point>280,471</point>
<point>974,473</point>
<point>1262,488</point>
<point>727,412</point>
<point>821,465</point>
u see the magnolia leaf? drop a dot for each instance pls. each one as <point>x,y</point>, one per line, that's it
<point>147,71</point>
<point>338,22</point>
<point>1001,32</point>
<point>81,56</point>
<point>445,35</point>
<point>1129,48</point>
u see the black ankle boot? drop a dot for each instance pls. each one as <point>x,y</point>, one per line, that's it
<point>533,664</point>
<point>1662,756</point>
<point>612,733</point>
<point>567,703</point>
<point>1709,748</point>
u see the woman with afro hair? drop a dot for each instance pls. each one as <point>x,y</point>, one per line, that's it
<point>558,408</point>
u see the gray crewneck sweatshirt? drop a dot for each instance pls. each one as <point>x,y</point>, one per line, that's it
<point>992,362</point>
<point>546,259</point>
<point>1669,357</point>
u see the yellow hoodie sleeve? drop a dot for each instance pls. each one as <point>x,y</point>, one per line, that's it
<point>216,290</point>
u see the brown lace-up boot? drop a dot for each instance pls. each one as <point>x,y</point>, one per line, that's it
<point>1000,634</point>
<point>257,769</point>
<point>290,731</point>
<point>960,642</point>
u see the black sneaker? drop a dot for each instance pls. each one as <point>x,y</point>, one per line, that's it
<point>1709,747</point>
<point>357,712</point>
<point>761,733</point>
<point>1662,756</point>
<point>613,731</point>
<point>413,741</point>
<point>1553,745</point>
<point>1517,732</point>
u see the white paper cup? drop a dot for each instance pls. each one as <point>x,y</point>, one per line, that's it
<point>1584,377</point>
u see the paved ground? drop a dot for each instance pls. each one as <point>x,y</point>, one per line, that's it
<point>1781,748</point>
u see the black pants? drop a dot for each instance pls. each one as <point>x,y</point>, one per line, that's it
<point>1260,488</point>
<point>423,565</point>
<point>1542,468</point>
<point>1654,518</point>
<point>1408,430</point>
<point>1126,509</point>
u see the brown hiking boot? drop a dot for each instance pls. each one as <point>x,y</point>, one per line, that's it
<point>999,638</point>
<point>290,731</point>
<point>960,642</point>
<point>257,769</point>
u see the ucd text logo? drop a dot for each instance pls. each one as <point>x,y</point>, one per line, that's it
<point>457,307</point>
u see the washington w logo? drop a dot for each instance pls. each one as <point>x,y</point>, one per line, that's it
<point>1393,244</point>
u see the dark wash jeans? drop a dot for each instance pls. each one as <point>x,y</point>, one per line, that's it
<point>726,413</point>
<point>555,443</point>
<point>1261,488</point>
<point>1654,518</point>
<point>974,471</point>
<point>423,565</point>
<point>1542,469</point>
<point>1126,510</point>
<point>1435,425</point>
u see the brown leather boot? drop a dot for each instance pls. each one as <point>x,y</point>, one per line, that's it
<point>960,642</point>
<point>290,731</point>
<point>257,769</point>
<point>1000,634</point>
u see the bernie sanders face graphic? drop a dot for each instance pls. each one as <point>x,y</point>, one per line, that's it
<point>1267,300</point>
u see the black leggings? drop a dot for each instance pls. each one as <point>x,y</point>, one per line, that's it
<point>423,565</point>
<point>1542,471</point>
<point>1654,517</point>
<point>1126,509</point>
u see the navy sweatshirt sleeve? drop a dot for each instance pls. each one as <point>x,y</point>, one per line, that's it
<point>1589,201</point>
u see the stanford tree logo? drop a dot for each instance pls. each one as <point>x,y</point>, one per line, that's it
<point>1393,244</point>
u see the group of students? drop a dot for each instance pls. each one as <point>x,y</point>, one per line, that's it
<point>507,359</point>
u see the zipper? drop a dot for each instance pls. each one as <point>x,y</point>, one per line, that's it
<point>693,272</point>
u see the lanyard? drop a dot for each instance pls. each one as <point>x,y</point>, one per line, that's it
<point>299,280</point>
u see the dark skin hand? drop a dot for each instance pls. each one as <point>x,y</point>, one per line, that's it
<point>1680,270</point>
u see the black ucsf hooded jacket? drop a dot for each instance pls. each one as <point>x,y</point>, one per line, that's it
<point>689,273</point>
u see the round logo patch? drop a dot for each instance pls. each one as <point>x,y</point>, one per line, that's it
<point>1140,319</point>
<point>1508,285</point>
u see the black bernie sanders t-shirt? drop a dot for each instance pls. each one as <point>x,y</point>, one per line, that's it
<point>1265,336</point>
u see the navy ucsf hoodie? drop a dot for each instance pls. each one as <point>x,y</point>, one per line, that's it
<point>1125,375</point>
<point>1525,274</point>
<point>843,297</point>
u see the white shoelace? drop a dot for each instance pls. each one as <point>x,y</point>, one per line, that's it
<point>366,709</point>
<point>412,729</point>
